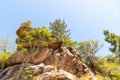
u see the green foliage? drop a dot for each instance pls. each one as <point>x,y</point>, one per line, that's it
<point>20,47</point>
<point>108,70</point>
<point>68,42</point>
<point>114,40</point>
<point>59,28</point>
<point>100,77</point>
<point>43,34</point>
<point>40,35</point>
<point>4,60</point>
<point>88,50</point>
<point>111,58</point>
<point>25,74</point>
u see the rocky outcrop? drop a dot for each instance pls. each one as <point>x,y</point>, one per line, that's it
<point>51,62</point>
<point>63,63</point>
<point>31,37</point>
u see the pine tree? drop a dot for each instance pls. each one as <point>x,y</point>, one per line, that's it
<point>114,40</point>
<point>59,28</point>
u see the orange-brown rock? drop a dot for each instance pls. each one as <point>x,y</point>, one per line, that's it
<point>21,31</point>
<point>19,57</point>
<point>55,45</point>
<point>41,56</point>
<point>66,59</point>
<point>37,43</point>
<point>26,56</point>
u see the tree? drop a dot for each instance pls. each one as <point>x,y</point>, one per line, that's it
<point>6,48</point>
<point>88,50</point>
<point>6,45</point>
<point>59,28</point>
<point>114,40</point>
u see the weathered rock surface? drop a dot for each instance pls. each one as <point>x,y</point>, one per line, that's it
<point>58,75</point>
<point>63,64</point>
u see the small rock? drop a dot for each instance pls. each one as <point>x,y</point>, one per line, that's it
<point>48,68</point>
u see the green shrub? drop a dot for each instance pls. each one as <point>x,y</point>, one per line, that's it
<point>108,70</point>
<point>41,35</point>
<point>4,60</point>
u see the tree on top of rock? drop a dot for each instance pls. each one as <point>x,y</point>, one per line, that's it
<point>59,28</point>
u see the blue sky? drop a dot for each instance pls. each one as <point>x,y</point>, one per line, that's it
<point>85,18</point>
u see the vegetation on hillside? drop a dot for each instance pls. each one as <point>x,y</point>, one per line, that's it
<point>106,68</point>
<point>114,40</point>
<point>88,50</point>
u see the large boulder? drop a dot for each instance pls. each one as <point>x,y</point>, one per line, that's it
<point>30,56</point>
<point>19,57</point>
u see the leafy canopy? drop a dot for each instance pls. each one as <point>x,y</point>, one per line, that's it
<point>114,40</point>
<point>88,50</point>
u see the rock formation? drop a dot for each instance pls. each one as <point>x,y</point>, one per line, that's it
<point>23,30</point>
<point>59,63</point>
<point>25,27</point>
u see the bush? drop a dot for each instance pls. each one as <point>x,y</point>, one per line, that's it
<point>37,37</point>
<point>108,70</point>
<point>4,60</point>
